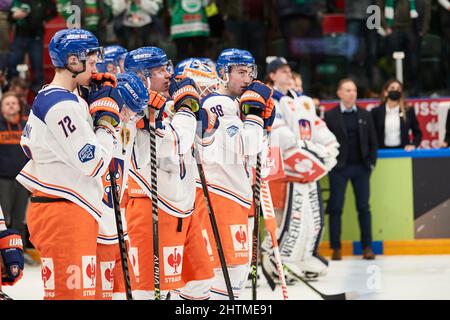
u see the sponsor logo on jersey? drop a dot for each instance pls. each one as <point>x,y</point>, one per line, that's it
<point>134,259</point>
<point>48,273</point>
<point>173,257</point>
<point>89,269</point>
<point>231,131</point>
<point>86,153</point>
<point>107,271</point>
<point>207,244</point>
<point>239,236</point>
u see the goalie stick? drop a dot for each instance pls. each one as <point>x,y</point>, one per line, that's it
<point>339,296</point>
<point>212,218</point>
<point>120,234</point>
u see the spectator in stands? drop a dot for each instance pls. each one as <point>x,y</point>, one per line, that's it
<point>445,29</point>
<point>29,17</point>
<point>246,24</point>
<point>5,6</point>
<point>95,14</point>
<point>355,132</point>
<point>13,196</point>
<point>136,23</point>
<point>189,28</point>
<point>394,120</point>
<point>405,23</point>
<point>21,88</point>
<point>366,39</point>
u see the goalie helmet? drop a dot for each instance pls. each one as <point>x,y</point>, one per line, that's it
<point>204,77</point>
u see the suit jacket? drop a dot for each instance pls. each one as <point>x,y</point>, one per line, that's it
<point>367,135</point>
<point>379,115</point>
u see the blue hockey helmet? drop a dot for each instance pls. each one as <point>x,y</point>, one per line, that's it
<point>113,55</point>
<point>144,59</point>
<point>69,42</point>
<point>133,92</point>
<point>235,57</point>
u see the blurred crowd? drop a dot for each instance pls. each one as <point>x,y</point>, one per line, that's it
<point>324,40</point>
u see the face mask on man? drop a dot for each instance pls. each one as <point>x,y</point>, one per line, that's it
<point>394,95</point>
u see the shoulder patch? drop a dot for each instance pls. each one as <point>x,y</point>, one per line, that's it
<point>86,153</point>
<point>232,130</point>
<point>46,99</point>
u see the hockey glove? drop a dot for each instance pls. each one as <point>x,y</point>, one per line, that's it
<point>104,79</point>
<point>184,94</point>
<point>11,251</point>
<point>255,97</point>
<point>207,123</point>
<point>268,115</point>
<point>105,105</point>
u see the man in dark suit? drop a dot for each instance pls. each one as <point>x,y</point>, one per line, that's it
<point>354,130</point>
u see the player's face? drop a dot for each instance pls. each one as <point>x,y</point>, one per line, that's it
<point>84,78</point>
<point>240,79</point>
<point>129,116</point>
<point>111,68</point>
<point>160,79</point>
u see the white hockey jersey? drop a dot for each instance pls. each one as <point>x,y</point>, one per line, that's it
<point>228,160</point>
<point>67,158</point>
<point>176,165</point>
<point>107,233</point>
<point>297,114</point>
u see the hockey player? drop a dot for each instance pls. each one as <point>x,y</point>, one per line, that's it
<point>109,270</point>
<point>206,81</point>
<point>113,60</point>
<point>11,255</point>
<point>70,143</point>
<point>175,180</point>
<point>309,152</point>
<point>228,164</point>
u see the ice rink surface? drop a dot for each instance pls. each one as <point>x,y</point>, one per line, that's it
<point>387,277</point>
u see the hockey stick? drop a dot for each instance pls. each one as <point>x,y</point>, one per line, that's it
<point>122,245</point>
<point>4,296</point>
<point>255,236</point>
<point>339,296</point>
<point>212,218</point>
<point>271,227</point>
<point>154,184</point>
